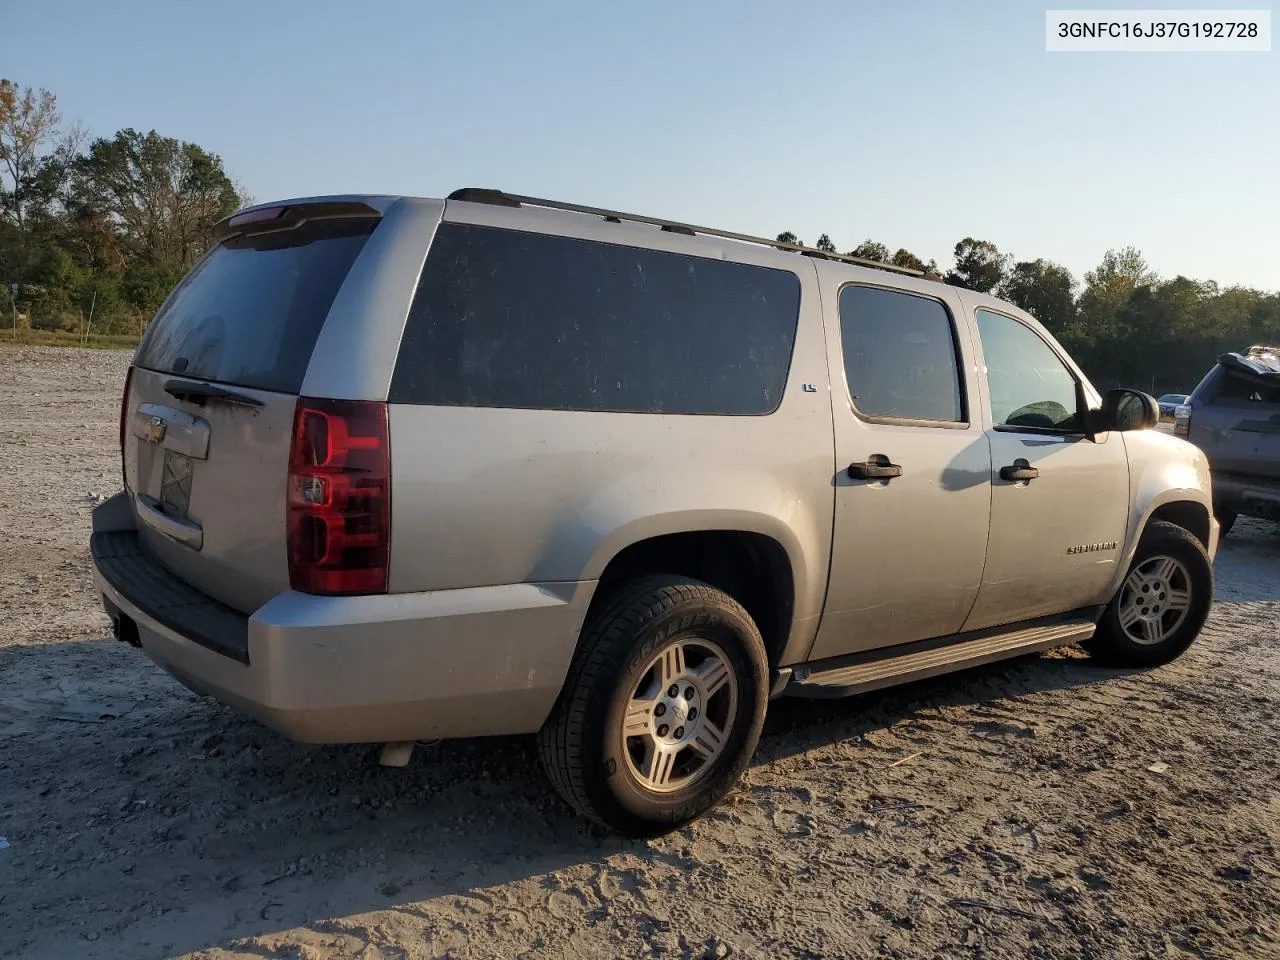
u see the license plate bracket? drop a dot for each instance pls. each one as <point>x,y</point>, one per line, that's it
<point>175,485</point>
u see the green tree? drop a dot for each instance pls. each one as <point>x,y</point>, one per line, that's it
<point>787,237</point>
<point>28,122</point>
<point>162,196</point>
<point>28,127</point>
<point>1045,290</point>
<point>103,232</point>
<point>870,250</point>
<point>979,265</point>
<point>905,258</point>
<point>1108,286</point>
<point>825,245</point>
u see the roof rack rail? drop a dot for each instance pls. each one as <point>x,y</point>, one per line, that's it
<point>500,198</point>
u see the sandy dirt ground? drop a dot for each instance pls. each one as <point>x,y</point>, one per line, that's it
<point>1039,808</point>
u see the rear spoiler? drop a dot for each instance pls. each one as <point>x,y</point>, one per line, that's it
<point>288,216</point>
<point>1260,363</point>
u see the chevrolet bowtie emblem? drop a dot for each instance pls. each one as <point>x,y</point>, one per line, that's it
<point>155,429</point>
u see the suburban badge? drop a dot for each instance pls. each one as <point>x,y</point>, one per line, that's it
<point>1092,547</point>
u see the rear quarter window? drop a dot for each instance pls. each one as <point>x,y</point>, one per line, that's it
<point>250,312</point>
<point>504,318</point>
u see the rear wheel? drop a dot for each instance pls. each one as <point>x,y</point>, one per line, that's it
<point>662,708</point>
<point>1162,604</point>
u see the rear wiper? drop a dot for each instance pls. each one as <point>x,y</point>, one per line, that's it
<point>201,393</point>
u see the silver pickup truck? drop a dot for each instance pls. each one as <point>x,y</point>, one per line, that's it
<point>401,468</point>
<point>1234,417</point>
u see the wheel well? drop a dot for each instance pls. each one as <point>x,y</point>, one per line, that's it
<point>1191,516</point>
<point>750,567</point>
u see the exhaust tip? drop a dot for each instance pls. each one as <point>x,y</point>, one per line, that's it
<point>396,754</point>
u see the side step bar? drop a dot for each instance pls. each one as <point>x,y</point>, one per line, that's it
<point>930,659</point>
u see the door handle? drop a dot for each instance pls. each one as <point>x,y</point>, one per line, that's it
<point>876,467</point>
<point>1019,470</point>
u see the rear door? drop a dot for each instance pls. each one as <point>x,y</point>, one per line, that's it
<point>213,392</point>
<point>1056,537</point>
<point>912,491</point>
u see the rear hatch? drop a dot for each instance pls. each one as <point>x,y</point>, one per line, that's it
<point>209,412</point>
<point>1237,420</point>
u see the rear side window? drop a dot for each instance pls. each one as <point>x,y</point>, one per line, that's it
<point>504,318</point>
<point>900,357</point>
<point>250,312</point>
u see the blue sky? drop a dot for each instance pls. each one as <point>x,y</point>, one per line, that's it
<point>913,123</point>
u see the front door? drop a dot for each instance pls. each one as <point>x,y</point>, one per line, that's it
<point>1059,501</point>
<point>913,483</point>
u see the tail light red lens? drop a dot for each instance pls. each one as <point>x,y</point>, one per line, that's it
<point>124,416</point>
<point>339,499</point>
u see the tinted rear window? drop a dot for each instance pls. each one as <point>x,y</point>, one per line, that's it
<point>250,313</point>
<point>1241,388</point>
<point>504,318</point>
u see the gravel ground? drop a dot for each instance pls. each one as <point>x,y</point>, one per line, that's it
<point>1038,808</point>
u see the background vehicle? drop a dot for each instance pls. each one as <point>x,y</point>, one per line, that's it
<point>400,468</point>
<point>1169,404</point>
<point>1233,415</point>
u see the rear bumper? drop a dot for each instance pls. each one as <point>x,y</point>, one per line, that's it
<point>1251,496</point>
<point>452,663</point>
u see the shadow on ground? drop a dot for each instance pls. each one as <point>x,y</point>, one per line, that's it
<point>181,824</point>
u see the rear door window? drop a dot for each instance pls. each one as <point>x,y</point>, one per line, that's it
<point>900,358</point>
<point>250,312</point>
<point>505,318</point>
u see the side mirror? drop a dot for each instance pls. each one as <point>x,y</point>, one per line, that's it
<point>1124,409</point>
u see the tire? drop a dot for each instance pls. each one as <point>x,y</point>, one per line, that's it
<point>619,680</point>
<point>1226,520</point>
<point>1167,628</point>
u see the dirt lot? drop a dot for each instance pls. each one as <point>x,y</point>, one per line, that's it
<point>1023,810</point>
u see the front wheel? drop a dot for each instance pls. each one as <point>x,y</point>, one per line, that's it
<point>662,707</point>
<point>1162,604</point>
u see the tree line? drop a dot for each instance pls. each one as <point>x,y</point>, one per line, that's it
<point>95,232</point>
<point>1124,325</point>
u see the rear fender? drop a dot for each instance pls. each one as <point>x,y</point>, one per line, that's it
<point>808,583</point>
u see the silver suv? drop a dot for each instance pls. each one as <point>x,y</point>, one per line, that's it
<point>399,468</point>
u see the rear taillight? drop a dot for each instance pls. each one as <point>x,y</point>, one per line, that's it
<point>124,417</point>
<point>339,499</point>
<point>1182,420</point>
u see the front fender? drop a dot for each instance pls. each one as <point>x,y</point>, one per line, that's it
<point>1163,470</point>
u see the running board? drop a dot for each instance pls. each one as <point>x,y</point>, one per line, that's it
<point>937,657</point>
